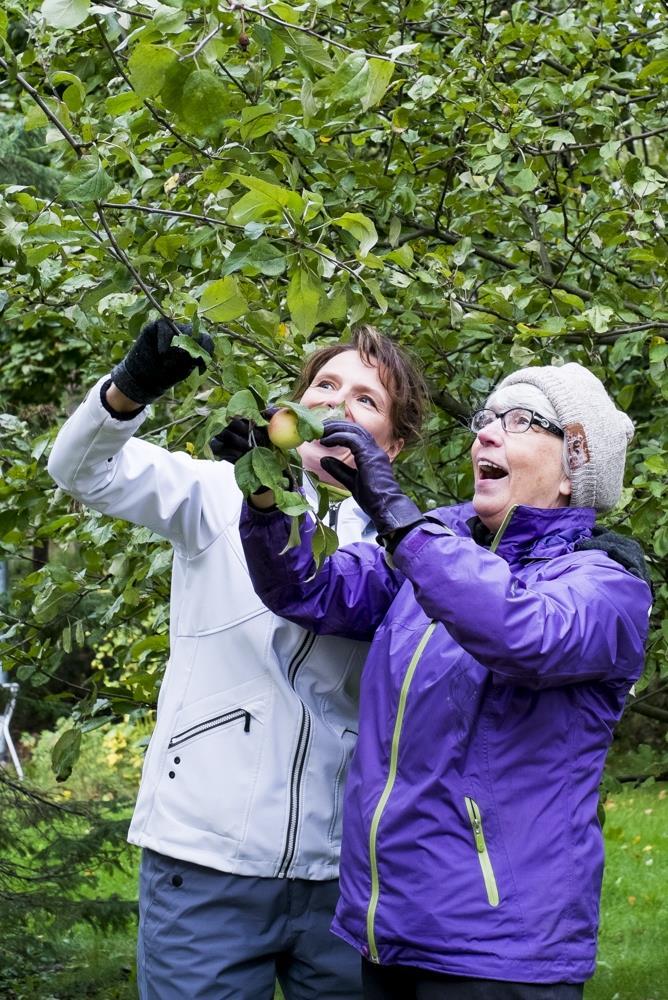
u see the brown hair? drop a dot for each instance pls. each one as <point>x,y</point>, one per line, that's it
<point>397,372</point>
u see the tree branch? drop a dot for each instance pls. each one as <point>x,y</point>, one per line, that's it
<point>127,263</point>
<point>262,12</point>
<point>77,146</point>
<point>650,711</point>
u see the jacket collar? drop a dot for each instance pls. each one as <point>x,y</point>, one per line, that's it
<point>535,532</point>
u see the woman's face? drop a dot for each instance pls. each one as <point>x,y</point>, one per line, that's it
<point>514,469</point>
<point>348,381</point>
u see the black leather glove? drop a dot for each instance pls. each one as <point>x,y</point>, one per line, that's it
<point>372,483</point>
<point>237,439</point>
<point>152,365</point>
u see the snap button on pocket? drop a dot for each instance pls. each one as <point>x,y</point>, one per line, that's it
<point>172,774</point>
<point>177,881</point>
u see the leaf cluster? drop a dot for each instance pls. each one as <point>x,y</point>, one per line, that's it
<point>486,184</point>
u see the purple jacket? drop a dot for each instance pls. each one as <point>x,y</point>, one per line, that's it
<point>471,844</point>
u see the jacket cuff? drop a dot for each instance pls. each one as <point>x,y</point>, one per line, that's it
<point>114,413</point>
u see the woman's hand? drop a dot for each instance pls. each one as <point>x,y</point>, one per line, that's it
<point>372,481</point>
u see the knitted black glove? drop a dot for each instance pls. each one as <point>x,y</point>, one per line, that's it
<point>237,439</point>
<point>152,365</point>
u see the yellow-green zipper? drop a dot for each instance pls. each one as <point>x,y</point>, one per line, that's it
<point>496,541</point>
<point>483,855</point>
<point>382,802</point>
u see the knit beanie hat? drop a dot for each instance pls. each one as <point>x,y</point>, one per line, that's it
<point>595,431</point>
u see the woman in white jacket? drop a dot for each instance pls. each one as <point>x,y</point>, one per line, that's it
<point>238,812</point>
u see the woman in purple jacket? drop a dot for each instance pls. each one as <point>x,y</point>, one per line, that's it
<point>506,636</point>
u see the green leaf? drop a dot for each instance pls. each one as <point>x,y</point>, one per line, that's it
<point>656,464</point>
<point>244,404</point>
<point>657,67</point>
<point>273,194</point>
<point>261,255</point>
<point>149,644</point>
<point>148,65</point>
<point>361,227</point>
<point>119,104</point>
<point>247,481</point>
<point>598,317</point>
<point>294,538</point>
<point>65,753</point>
<point>268,467</point>
<point>304,292</point>
<point>424,87</point>
<point>169,21</point>
<point>65,13</point>
<point>526,180</point>
<point>222,301</point>
<point>309,51</point>
<point>87,181</point>
<point>190,345</point>
<point>204,103</point>
<point>380,74</point>
<point>257,121</point>
<point>66,638</point>
<point>349,83</point>
<point>324,543</point>
<point>569,298</point>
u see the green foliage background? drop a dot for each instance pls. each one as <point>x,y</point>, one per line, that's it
<point>486,183</point>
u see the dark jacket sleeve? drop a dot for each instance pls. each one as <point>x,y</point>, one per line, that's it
<point>348,596</point>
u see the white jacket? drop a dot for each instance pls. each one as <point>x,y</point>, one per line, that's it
<point>256,718</point>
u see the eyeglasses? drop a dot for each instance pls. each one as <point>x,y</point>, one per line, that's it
<point>515,421</point>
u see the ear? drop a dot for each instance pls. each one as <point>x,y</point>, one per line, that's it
<point>394,448</point>
<point>565,488</point>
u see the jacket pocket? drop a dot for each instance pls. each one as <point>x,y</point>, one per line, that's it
<point>206,725</point>
<point>475,819</point>
<point>211,761</point>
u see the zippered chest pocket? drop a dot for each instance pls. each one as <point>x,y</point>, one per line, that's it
<point>236,715</point>
<point>475,819</point>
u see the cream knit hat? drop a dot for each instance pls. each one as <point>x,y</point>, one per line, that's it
<point>595,431</point>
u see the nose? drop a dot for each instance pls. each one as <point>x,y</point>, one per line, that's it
<point>491,433</point>
<point>339,399</point>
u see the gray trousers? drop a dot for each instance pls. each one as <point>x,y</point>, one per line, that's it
<point>208,935</point>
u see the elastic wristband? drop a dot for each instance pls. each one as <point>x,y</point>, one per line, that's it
<point>109,408</point>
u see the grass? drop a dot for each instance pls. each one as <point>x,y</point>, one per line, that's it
<point>634,918</point>
<point>86,962</point>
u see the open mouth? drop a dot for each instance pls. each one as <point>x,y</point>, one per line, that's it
<point>490,470</point>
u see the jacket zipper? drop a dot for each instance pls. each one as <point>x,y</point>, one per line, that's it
<point>496,541</point>
<point>483,855</point>
<point>298,761</point>
<point>203,727</point>
<point>389,784</point>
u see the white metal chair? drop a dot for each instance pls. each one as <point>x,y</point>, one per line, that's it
<point>10,690</point>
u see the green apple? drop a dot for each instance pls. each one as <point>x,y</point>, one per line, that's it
<point>283,430</point>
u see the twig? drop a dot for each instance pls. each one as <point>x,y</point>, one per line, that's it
<point>574,147</point>
<point>133,207</point>
<point>205,41</point>
<point>133,271</point>
<point>78,147</point>
<point>242,339</point>
<point>650,711</point>
<point>261,12</point>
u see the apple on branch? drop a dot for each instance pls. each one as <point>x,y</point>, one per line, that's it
<point>283,430</point>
